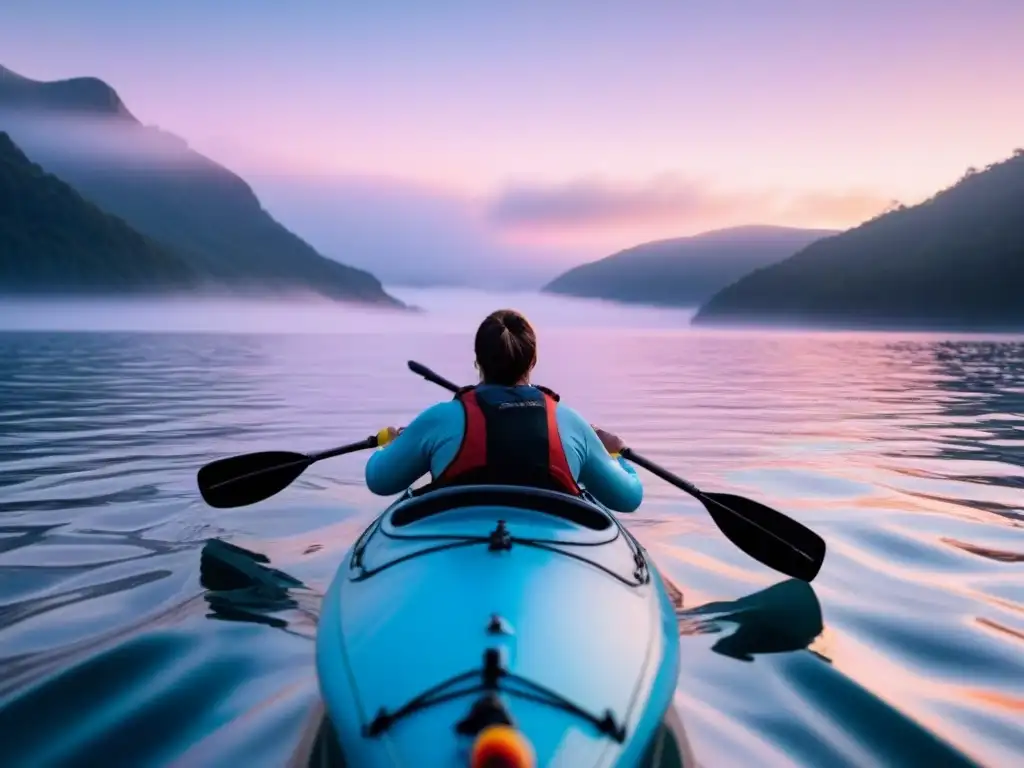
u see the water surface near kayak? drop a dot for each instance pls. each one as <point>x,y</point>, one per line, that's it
<point>906,452</point>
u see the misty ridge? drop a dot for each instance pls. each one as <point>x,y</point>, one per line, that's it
<point>952,262</point>
<point>84,120</point>
<point>80,132</point>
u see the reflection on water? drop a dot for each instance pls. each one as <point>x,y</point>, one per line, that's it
<point>783,617</point>
<point>906,453</point>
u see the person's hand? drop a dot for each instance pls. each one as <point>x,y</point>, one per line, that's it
<point>391,434</point>
<point>612,443</point>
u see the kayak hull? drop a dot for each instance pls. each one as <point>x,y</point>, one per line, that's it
<point>440,620</point>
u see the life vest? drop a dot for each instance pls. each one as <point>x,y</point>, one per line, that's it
<point>511,438</point>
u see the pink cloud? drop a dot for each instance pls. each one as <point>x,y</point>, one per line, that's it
<point>672,203</point>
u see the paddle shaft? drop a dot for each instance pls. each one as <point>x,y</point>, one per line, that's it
<point>630,455</point>
<point>362,445</point>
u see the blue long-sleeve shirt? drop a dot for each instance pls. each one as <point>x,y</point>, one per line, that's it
<point>432,439</point>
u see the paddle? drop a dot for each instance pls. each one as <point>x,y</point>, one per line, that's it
<point>765,534</point>
<point>236,481</point>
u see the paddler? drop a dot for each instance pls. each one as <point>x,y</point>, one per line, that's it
<point>506,430</point>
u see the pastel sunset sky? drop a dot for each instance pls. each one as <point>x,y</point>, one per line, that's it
<point>550,131</point>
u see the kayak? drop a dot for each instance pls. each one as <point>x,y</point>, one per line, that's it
<point>477,621</point>
<point>491,626</point>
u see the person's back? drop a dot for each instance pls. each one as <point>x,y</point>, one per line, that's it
<point>506,431</point>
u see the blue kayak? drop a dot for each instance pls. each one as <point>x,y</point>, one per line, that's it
<point>483,615</point>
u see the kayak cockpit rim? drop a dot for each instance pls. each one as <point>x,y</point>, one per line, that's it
<point>576,510</point>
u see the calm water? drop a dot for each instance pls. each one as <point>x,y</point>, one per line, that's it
<point>905,452</point>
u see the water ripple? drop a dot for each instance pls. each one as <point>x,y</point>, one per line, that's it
<point>906,453</point>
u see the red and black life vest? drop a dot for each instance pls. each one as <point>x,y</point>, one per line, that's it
<point>511,438</point>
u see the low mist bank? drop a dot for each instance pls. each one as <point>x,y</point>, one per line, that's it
<point>453,310</point>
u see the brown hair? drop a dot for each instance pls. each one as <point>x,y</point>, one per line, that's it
<point>506,348</point>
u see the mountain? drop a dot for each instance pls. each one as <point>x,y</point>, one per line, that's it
<point>954,262</point>
<point>85,95</point>
<point>683,271</point>
<point>81,131</point>
<point>52,240</point>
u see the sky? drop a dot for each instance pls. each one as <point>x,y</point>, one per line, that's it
<point>540,134</point>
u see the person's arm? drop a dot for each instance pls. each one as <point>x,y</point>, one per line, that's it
<point>611,480</point>
<point>407,458</point>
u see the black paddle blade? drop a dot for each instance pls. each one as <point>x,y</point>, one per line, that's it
<point>768,536</point>
<point>240,480</point>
